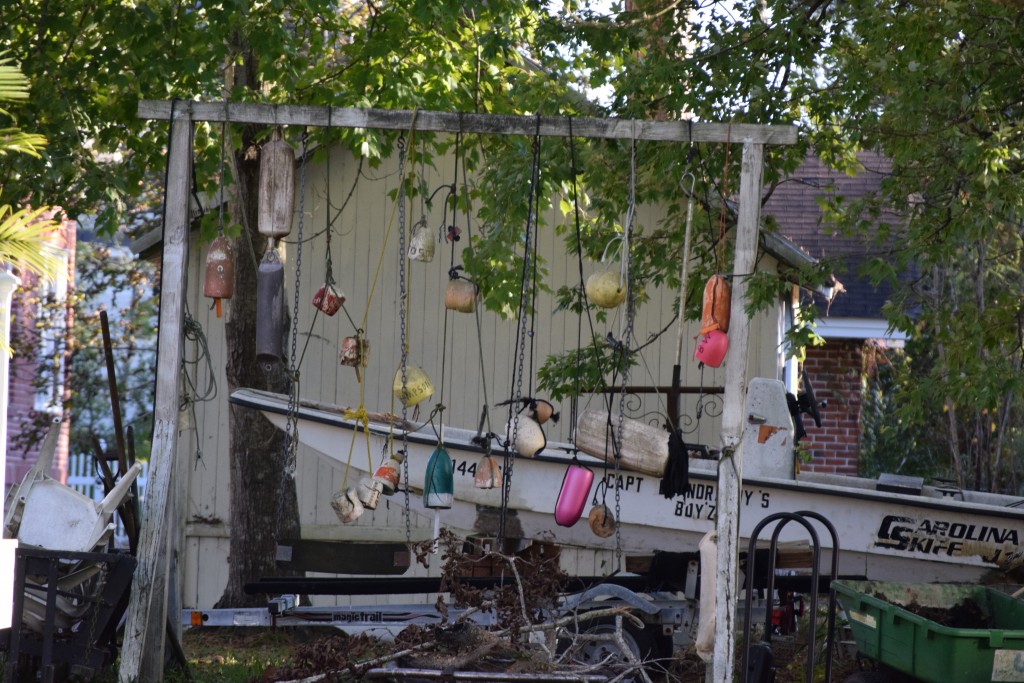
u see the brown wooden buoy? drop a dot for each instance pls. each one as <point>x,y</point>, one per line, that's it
<point>460,295</point>
<point>602,521</point>
<point>277,187</point>
<point>219,282</point>
<point>717,305</point>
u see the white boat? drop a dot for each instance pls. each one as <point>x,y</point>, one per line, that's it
<point>931,534</point>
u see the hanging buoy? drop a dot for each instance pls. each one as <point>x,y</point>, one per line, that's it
<point>421,244</point>
<point>439,482</point>
<point>711,348</point>
<point>388,475</point>
<point>418,386</point>
<point>605,289</point>
<point>574,494</point>
<point>220,271</point>
<point>355,353</point>
<point>717,305</point>
<point>529,437</point>
<point>328,299</point>
<point>270,327</point>
<point>542,411</point>
<point>460,295</point>
<point>488,474</point>
<point>602,522</point>
<point>277,187</point>
<point>347,506</point>
<point>369,493</point>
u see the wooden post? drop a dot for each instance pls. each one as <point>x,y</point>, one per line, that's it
<point>730,467</point>
<point>142,655</point>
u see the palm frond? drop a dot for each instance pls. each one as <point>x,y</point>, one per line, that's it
<point>17,141</point>
<point>13,84</point>
<point>24,241</point>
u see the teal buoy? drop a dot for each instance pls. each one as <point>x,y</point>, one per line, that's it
<point>439,484</point>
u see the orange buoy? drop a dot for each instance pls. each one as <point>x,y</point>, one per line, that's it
<point>717,305</point>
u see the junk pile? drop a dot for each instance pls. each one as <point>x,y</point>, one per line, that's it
<point>69,591</point>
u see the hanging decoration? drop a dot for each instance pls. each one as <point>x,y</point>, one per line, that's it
<point>711,348</point>
<point>370,492</point>
<point>388,475</point>
<point>575,491</point>
<point>605,289</point>
<point>460,295</point>
<point>439,483</point>
<point>328,299</point>
<point>439,487</point>
<point>526,435</point>
<point>717,305</point>
<point>488,473</point>
<point>220,272</point>
<point>270,322</point>
<point>417,386</point>
<point>355,353</point>
<point>347,506</point>
<point>219,282</point>
<point>602,521</point>
<point>421,243</point>
<point>277,187</point>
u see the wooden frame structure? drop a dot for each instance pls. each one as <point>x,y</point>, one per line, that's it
<point>142,654</point>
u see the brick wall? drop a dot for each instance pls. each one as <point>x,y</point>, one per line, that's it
<point>24,368</point>
<point>835,371</point>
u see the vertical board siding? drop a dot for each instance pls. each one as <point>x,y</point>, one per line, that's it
<point>360,231</point>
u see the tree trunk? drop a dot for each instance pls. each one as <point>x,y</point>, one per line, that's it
<point>263,506</point>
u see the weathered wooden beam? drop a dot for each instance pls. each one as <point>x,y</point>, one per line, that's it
<point>730,467</point>
<point>492,124</point>
<point>142,656</point>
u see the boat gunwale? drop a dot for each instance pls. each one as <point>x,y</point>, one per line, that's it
<point>264,400</point>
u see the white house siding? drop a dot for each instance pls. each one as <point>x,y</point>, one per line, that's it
<point>356,249</point>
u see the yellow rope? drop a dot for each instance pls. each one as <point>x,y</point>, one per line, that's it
<point>360,412</point>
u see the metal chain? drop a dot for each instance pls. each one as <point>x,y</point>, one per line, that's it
<point>402,265</point>
<point>520,341</point>
<point>292,429</point>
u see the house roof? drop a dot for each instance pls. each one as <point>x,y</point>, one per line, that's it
<point>794,207</point>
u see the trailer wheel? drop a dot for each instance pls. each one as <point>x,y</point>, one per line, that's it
<point>645,644</point>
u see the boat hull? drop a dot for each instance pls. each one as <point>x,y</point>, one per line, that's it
<point>882,535</point>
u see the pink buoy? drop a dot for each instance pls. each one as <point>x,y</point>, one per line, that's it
<point>573,496</point>
<point>711,348</point>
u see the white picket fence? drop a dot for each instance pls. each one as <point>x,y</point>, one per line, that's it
<point>84,477</point>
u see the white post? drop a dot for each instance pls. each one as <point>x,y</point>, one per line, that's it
<point>142,656</point>
<point>8,283</point>
<point>730,467</point>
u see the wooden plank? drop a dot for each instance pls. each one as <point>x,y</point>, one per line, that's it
<point>142,656</point>
<point>730,467</point>
<point>492,124</point>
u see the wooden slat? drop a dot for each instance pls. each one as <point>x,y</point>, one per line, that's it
<point>493,124</point>
<point>730,467</point>
<point>142,655</point>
